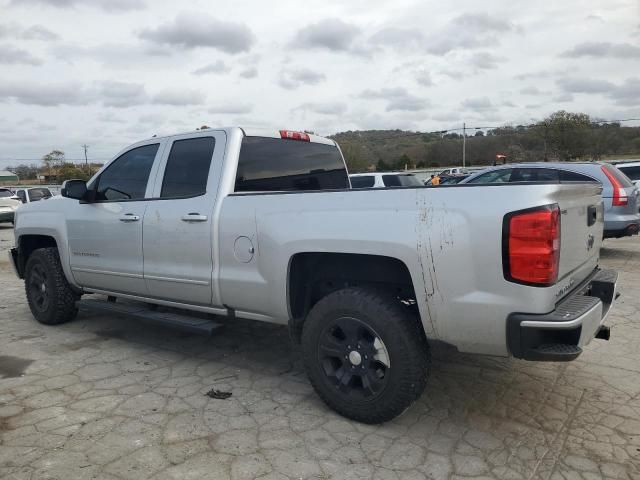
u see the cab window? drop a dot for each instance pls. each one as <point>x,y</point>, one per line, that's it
<point>126,178</point>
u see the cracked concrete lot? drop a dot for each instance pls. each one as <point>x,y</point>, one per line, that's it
<point>111,398</point>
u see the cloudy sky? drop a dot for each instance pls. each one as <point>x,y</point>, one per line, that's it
<point>111,72</point>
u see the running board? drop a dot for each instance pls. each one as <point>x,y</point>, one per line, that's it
<point>143,312</point>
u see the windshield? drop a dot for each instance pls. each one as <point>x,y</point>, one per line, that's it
<point>4,193</point>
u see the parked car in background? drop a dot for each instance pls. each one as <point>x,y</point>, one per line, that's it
<point>448,179</point>
<point>384,180</point>
<point>8,207</point>
<point>631,170</point>
<point>620,196</point>
<point>454,171</point>
<point>6,193</point>
<point>28,195</point>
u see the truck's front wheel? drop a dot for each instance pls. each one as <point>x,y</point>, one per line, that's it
<point>51,299</point>
<point>364,354</point>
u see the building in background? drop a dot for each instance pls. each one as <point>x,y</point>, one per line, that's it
<point>7,177</point>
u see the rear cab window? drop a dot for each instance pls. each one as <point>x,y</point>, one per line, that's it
<point>279,165</point>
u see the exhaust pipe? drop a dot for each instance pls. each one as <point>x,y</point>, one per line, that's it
<point>604,333</point>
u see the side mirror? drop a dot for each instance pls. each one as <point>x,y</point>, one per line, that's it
<point>76,189</point>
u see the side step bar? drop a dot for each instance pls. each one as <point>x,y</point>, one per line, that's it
<point>143,312</point>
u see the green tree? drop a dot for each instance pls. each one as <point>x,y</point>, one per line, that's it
<point>70,171</point>
<point>382,166</point>
<point>53,159</point>
<point>566,134</point>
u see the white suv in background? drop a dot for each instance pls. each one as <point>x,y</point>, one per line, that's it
<point>8,205</point>
<point>631,170</point>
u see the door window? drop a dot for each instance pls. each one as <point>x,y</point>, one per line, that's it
<point>366,181</point>
<point>126,178</point>
<point>567,176</point>
<point>542,175</point>
<point>401,181</point>
<point>187,167</point>
<point>496,176</point>
<point>632,172</point>
<point>21,195</point>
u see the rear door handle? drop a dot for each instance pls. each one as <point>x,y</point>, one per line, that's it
<point>592,215</point>
<point>129,217</point>
<point>194,217</point>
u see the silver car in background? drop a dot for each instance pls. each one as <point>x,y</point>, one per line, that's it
<point>619,194</point>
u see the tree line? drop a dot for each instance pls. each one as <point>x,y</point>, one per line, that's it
<point>55,168</point>
<point>563,136</point>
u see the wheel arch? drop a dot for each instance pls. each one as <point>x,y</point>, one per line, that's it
<point>29,241</point>
<point>313,275</point>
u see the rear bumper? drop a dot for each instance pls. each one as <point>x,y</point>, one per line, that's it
<point>627,231</point>
<point>576,320</point>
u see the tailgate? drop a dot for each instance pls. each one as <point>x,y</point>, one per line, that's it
<point>581,227</point>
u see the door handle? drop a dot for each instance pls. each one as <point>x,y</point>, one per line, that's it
<point>592,215</point>
<point>194,217</point>
<point>129,217</point>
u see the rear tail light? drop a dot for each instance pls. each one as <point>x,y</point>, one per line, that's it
<point>291,135</point>
<point>531,246</point>
<point>619,193</point>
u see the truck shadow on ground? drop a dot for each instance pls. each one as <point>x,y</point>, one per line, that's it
<point>458,382</point>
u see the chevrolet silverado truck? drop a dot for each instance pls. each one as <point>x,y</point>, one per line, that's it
<point>264,225</point>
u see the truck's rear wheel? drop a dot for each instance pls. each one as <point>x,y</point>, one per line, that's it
<point>364,354</point>
<point>50,297</point>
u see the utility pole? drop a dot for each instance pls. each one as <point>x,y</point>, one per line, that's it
<point>86,162</point>
<point>464,145</point>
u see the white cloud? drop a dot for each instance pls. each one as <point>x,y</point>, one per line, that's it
<point>178,97</point>
<point>191,30</point>
<point>216,67</point>
<point>12,55</point>
<point>298,77</point>
<point>330,34</point>
<point>106,5</point>
<point>108,71</point>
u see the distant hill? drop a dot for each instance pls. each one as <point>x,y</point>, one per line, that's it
<point>563,136</point>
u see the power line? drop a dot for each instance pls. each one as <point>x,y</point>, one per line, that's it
<point>457,129</point>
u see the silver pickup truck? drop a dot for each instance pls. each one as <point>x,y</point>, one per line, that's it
<point>263,225</point>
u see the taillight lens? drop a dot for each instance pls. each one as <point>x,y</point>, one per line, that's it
<point>291,135</point>
<point>619,193</point>
<point>531,246</point>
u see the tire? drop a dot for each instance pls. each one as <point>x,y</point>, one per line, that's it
<point>50,297</point>
<point>389,363</point>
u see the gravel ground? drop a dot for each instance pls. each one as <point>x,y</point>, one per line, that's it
<point>111,398</point>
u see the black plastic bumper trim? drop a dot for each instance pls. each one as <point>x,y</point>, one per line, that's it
<point>536,343</point>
